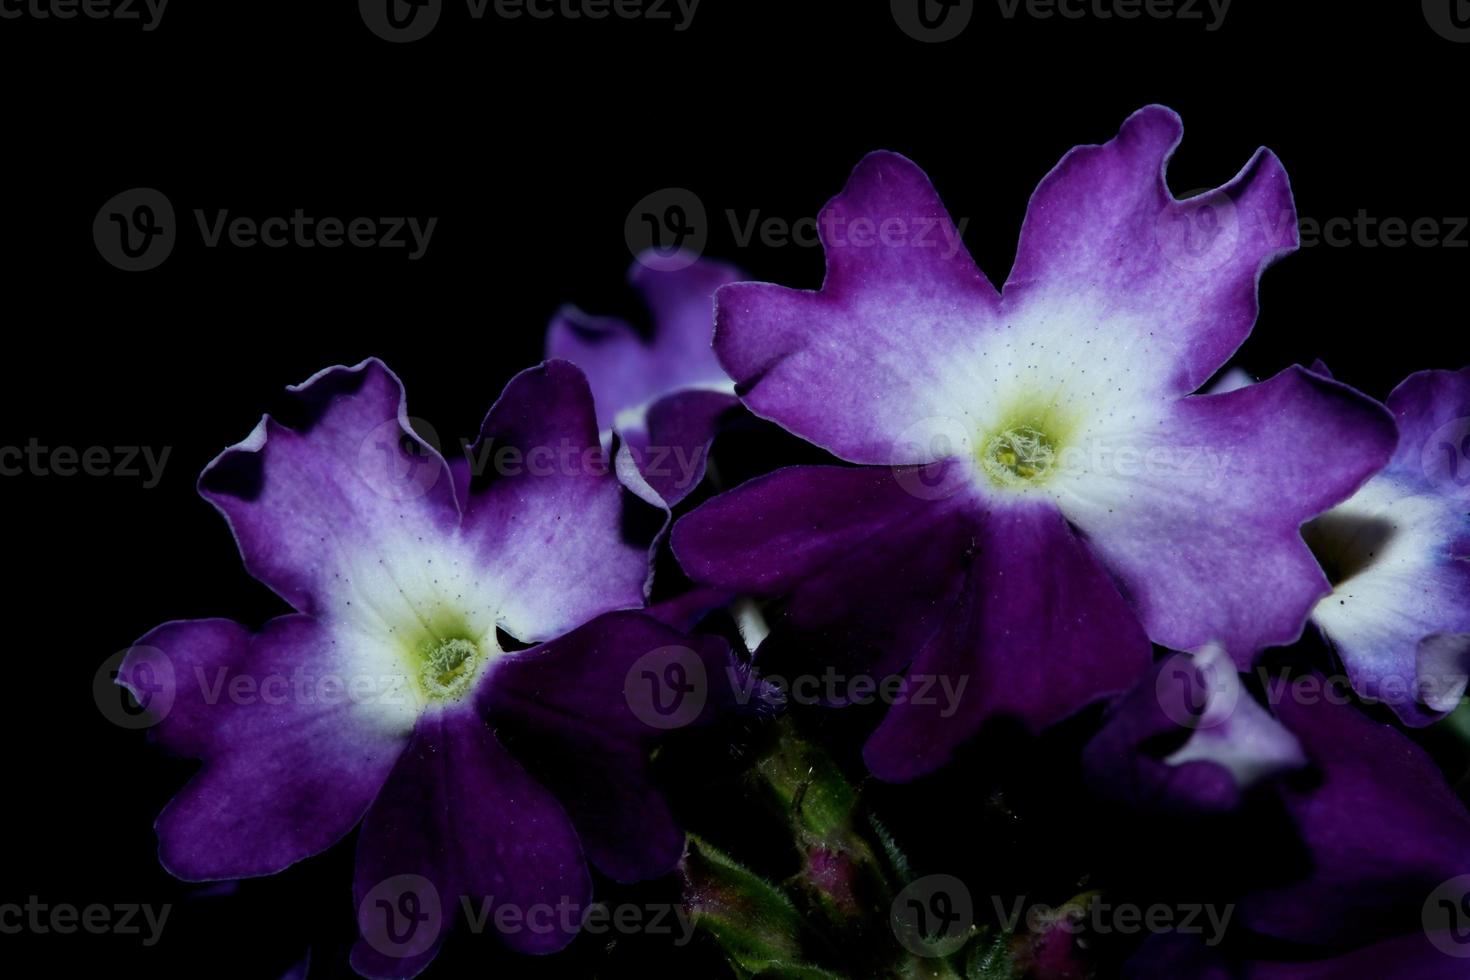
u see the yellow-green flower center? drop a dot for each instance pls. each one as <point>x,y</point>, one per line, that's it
<point>1022,456</point>
<point>448,667</point>
<point>1019,456</point>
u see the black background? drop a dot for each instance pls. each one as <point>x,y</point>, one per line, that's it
<point>530,142</point>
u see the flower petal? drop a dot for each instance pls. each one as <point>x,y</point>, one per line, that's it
<point>461,814</point>
<point>576,705</point>
<point>1432,409</point>
<point>548,515</point>
<point>1226,742</point>
<point>1199,515</point>
<point>1104,233</point>
<point>310,505</point>
<point>1383,829</point>
<point>625,371</point>
<point>297,729</point>
<point>1400,557</point>
<point>863,560</point>
<point>664,461</point>
<point>1040,632</point>
<point>855,367</point>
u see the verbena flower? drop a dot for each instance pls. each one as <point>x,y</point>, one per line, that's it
<point>1034,478</point>
<point>1398,554</point>
<point>664,395</point>
<point>1385,866</point>
<point>1189,738</point>
<point>453,675</point>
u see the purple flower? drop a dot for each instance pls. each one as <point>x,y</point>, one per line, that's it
<point>393,695</point>
<point>665,396</point>
<point>1189,738</point>
<point>1035,477</point>
<point>1387,869</point>
<point>1398,552</point>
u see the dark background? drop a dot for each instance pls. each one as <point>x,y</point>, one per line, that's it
<point>530,142</point>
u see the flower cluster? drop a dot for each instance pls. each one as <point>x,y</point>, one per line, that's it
<point>1029,506</point>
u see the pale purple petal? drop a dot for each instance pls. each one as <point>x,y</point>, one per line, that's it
<point>1104,232</point>
<point>295,732</point>
<point>625,370</point>
<point>855,367</point>
<point>1199,515</point>
<point>306,504</point>
<point>548,515</point>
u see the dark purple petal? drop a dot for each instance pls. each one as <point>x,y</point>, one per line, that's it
<point>1040,632</point>
<point>351,479</point>
<point>550,520</point>
<point>583,704</point>
<point>460,813</point>
<point>1383,829</point>
<point>1188,738</point>
<point>855,367</point>
<point>627,372</point>
<point>864,561</point>
<point>684,612</point>
<point>1103,231</point>
<point>665,460</point>
<point>291,755</point>
<point>1204,533</point>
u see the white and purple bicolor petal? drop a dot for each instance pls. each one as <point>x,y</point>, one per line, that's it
<point>1386,845</point>
<point>1189,738</point>
<point>1048,438</point>
<point>383,698</point>
<point>664,395</point>
<point>1398,555</point>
